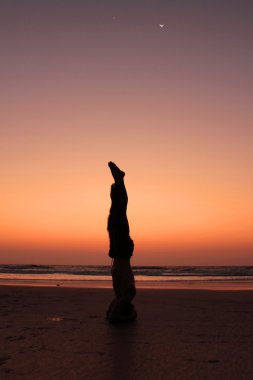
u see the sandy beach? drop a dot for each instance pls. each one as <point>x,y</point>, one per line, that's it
<point>61,333</point>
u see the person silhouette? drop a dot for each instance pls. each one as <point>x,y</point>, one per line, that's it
<point>121,250</point>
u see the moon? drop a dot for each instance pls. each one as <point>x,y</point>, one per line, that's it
<point>161,25</point>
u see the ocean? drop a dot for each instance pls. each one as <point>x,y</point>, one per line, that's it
<point>146,276</point>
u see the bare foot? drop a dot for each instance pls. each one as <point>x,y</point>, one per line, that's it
<point>117,174</point>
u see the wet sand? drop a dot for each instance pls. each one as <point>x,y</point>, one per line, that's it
<point>61,333</point>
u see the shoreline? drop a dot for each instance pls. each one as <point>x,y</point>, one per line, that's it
<point>95,284</point>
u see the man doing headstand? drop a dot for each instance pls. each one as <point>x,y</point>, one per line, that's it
<point>121,250</point>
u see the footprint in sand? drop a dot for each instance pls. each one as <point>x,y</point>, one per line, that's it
<point>4,359</point>
<point>12,338</point>
<point>8,370</point>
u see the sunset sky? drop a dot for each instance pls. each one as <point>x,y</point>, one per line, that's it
<point>86,82</point>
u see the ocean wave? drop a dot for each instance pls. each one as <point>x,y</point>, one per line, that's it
<point>147,271</point>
